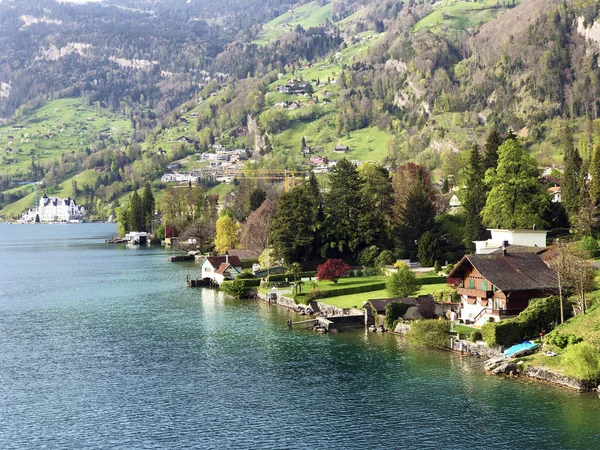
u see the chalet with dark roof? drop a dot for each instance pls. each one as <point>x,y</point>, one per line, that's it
<point>217,269</point>
<point>500,285</point>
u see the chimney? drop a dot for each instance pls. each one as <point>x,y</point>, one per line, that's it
<point>226,258</point>
<point>504,245</point>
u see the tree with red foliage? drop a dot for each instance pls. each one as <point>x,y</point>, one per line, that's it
<point>332,269</point>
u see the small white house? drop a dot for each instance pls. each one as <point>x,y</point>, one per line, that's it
<point>220,268</point>
<point>505,237</point>
<point>137,238</point>
<point>555,195</point>
<point>455,202</point>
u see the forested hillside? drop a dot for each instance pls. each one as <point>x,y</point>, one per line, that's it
<point>384,81</point>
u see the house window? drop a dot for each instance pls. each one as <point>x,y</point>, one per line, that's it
<point>472,284</point>
<point>484,285</point>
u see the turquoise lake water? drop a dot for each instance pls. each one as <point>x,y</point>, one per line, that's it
<point>105,347</point>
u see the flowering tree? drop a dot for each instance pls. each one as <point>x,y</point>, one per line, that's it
<point>332,269</point>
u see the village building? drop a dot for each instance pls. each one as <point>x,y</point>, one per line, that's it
<point>555,195</point>
<point>55,209</point>
<point>455,203</point>
<point>497,286</point>
<point>217,269</point>
<point>502,237</point>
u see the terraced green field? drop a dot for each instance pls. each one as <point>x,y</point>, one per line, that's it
<point>57,127</point>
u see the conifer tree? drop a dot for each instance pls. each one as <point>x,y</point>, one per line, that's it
<point>492,143</point>
<point>516,198</point>
<point>572,182</point>
<point>417,215</point>
<point>473,198</point>
<point>136,213</point>
<point>595,175</point>
<point>148,207</point>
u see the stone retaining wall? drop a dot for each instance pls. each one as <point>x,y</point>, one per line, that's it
<point>559,379</point>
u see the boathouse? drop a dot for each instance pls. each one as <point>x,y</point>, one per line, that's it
<point>215,270</point>
<point>500,285</point>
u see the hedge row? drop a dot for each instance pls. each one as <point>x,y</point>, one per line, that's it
<point>539,317</point>
<point>432,280</point>
<point>353,290</point>
<point>290,277</point>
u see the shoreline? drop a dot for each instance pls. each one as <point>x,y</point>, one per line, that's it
<point>510,367</point>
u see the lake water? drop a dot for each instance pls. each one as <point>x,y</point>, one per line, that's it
<point>105,347</point>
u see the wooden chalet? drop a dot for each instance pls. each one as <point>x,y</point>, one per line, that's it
<point>499,285</point>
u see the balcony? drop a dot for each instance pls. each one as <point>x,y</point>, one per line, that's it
<point>475,293</point>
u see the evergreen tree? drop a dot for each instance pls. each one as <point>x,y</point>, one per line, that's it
<point>473,198</point>
<point>257,197</point>
<point>148,207</point>
<point>492,143</point>
<point>572,182</point>
<point>516,198</point>
<point>418,214</point>
<point>595,175</point>
<point>293,227</point>
<point>376,199</point>
<point>445,186</point>
<point>136,213</point>
<point>303,143</point>
<point>429,249</point>
<point>342,210</point>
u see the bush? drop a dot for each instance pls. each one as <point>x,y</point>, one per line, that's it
<point>394,311</point>
<point>432,280</point>
<point>370,272</point>
<point>366,257</point>
<point>333,269</point>
<point>506,333</point>
<point>385,258</point>
<point>475,336</point>
<point>562,340</point>
<point>588,245</point>
<point>245,275</point>
<point>539,317</point>
<point>437,267</point>
<point>434,333</point>
<point>582,361</point>
<point>235,288</point>
<point>444,295</point>
<point>403,283</point>
<point>426,306</point>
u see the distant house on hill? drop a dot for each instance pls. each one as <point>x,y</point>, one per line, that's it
<point>497,286</point>
<point>555,194</point>
<point>220,268</point>
<point>503,237</point>
<point>341,149</point>
<point>455,202</point>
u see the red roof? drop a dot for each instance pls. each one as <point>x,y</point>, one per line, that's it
<point>222,268</point>
<point>218,260</point>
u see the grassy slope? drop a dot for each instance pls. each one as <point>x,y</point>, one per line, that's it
<point>458,15</point>
<point>307,16</point>
<point>65,118</point>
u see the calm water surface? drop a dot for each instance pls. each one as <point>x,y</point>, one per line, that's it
<point>105,347</point>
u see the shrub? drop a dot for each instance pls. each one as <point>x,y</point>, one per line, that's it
<point>367,256</point>
<point>235,288</point>
<point>444,295</point>
<point>246,274</point>
<point>432,280</point>
<point>449,268</point>
<point>385,258</point>
<point>426,306</point>
<point>582,361</point>
<point>539,317</point>
<point>403,283</point>
<point>562,340</point>
<point>437,267</point>
<point>588,245</point>
<point>475,336</point>
<point>434,333</point>
<point>506,333</point>
<point>370,272</point>
<point>394,311</point>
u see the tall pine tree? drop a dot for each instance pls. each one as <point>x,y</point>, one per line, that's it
<point>418,214</point>
<point>136,213</point>
<point>595,175</point>
<point>572,181</point>
<point>492,143</point>
<point>473,198</point>
<point>342,211</point>
<point>148,207</point>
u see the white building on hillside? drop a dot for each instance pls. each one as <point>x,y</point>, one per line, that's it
<point>55,209</point>
<point>535,239</point>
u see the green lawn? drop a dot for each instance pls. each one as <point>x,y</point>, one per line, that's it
<point>221,190</point>
<point>348,301</point>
